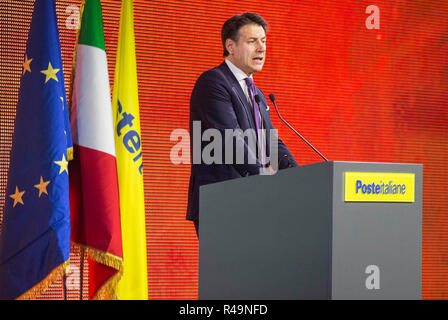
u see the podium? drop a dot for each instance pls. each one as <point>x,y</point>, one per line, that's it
<point>298,234</point>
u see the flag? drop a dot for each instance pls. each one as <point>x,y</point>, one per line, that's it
<point>93,171</point>
<point>134,283</point>
<point>35,237</point>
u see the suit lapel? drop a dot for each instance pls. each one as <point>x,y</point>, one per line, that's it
<point>238,91</point>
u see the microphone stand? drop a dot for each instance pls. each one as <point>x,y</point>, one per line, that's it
<point>272,98</point>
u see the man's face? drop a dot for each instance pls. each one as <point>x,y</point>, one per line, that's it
<point>248,53</point>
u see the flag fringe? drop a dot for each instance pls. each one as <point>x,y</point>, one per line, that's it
<point>107,290</point>
<point>43,285</point>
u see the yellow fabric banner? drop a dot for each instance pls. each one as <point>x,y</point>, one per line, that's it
<point>133,284</point>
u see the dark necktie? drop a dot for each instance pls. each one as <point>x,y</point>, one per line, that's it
<point>252,92</point>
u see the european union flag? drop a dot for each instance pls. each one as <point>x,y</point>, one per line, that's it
<point>35,237</point>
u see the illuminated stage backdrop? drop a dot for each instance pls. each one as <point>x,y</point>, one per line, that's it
<point>358,94</point>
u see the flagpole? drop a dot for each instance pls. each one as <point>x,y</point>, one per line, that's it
<point>64,285</point>
<point>81,272</point>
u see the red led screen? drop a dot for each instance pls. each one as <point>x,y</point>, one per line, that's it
<point>357,93</point>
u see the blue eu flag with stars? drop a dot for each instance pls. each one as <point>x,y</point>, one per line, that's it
<point>35,235</point>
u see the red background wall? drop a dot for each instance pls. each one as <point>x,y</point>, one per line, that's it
<point>356,94</point>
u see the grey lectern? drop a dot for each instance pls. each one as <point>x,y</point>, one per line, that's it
<point>293,235</point>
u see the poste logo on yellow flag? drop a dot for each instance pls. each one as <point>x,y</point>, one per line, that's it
<point>379,187</point>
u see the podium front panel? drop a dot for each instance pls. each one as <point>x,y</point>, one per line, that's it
<point>266,237</point>
<point>293,236</point>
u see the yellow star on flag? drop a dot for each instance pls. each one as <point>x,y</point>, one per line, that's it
<point>62,164</point>
<point>42,186</point>
<point>26,65</point>
<point>17,197</point>
<point>50,73</point>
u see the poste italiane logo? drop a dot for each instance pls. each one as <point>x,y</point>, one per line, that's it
<point>379,187</point>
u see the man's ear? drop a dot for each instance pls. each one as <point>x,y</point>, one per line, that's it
<point>230,44</point>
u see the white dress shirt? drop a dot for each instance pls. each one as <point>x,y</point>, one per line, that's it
<point>240,76</point>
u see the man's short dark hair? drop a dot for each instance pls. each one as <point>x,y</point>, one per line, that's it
<point>231,27</point>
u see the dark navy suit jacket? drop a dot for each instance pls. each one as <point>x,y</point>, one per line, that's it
<point>218,102</point>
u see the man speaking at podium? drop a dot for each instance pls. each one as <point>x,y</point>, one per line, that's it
<point>226,97</point>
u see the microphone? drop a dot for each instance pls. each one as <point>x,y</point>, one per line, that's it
<point>258,101</point>
<point>272,97</point>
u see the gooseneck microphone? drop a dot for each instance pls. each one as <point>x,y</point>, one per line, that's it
<point>258,100</point>
<point>272,97</point>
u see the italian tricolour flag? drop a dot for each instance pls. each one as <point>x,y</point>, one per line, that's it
<point>95,209</point>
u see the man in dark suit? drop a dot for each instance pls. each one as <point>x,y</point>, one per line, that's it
<point>225,98</point>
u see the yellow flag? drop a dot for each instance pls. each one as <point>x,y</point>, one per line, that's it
<point>133,284</point>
